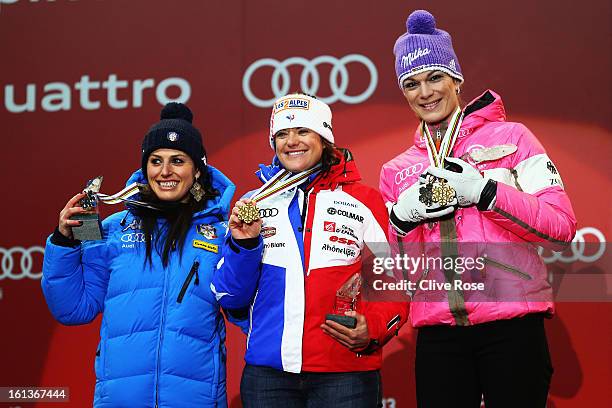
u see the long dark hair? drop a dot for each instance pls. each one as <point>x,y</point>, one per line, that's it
<point>172,234</point>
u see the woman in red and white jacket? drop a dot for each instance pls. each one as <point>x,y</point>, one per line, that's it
<point>287,267</point>
<point>473,186</point>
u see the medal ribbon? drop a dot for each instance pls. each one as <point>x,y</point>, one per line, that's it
<point>282,182</point>
<point>124,196</point>
<point>436,158</point>
<point>277,178</point>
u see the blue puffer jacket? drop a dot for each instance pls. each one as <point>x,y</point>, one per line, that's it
<point>162,335</point>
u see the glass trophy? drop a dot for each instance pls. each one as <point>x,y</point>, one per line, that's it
<point>90,228</point>
<point>345,301</point>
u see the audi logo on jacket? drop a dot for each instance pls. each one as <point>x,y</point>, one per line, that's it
<point>531,207</point>
<point>290,288</point>
<point>154,319</point>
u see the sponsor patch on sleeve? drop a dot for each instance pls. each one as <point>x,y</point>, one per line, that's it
<point>537,173</point>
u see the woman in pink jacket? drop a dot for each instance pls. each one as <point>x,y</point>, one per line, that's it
<point>471,200</point>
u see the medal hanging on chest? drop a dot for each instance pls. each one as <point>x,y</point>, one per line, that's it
<point>436,190</point>
<point>281,182</point>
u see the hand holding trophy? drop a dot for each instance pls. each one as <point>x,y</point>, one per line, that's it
<point>79,219</point>
<point>345,325</point>
<point>89,227</point>
<point>346,301</point>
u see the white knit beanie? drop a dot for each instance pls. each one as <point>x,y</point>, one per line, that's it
<point>300,110</point>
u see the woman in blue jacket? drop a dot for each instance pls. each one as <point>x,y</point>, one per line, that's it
<point>162,334</point>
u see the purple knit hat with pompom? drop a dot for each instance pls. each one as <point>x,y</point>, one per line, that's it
<point>424,48</point>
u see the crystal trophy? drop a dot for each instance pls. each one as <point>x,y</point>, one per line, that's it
<point>346,300</point>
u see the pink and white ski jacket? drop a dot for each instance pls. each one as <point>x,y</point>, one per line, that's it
<point>531,209</point>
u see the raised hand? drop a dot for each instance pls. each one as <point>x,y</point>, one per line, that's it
<point>410,208</point>
<point>466,180</point>
<point>241,229</point>
<point>70,209</point>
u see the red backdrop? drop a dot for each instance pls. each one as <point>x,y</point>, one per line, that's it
<point>82,80</point>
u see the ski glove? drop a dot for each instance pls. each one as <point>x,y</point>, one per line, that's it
<point>470,186</point>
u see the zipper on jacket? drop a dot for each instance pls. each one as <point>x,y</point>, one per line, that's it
<point>304,209</point>
<point>309,201</point>
<point>507,268</point>
<point>160,339</point>
<point>193,271</point>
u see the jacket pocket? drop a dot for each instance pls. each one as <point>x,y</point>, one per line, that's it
<point>507,268</point>
<point>193,271</point>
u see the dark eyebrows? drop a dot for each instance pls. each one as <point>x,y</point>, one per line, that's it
<point>174,156</point>
<point>429,75</point>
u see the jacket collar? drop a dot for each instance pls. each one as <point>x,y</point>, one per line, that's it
<point>488,107</point>
<point>344,172</point>
<point>219,206</point>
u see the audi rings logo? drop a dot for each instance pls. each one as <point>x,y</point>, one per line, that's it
<point>18,262</point>
<point>310,79</point>
<point>268,212</point>
<point>408,172</point>
<point>578,248</point>
<point>133,237</point>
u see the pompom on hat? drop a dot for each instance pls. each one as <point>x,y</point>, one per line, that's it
<point>174,131</point>
<point>424,48</point>
<point>301,110</point>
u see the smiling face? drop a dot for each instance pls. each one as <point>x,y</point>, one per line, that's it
<point>298,149</point>
<point>432,95</point>
<point>170,174</point>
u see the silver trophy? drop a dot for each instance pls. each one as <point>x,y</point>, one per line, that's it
<point>90,228</point>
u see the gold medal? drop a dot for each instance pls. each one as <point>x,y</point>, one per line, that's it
<point>282,181</point>
<point>442,193</point>
<point>248,212</point>
<point>279,183</point>
<point>437,190</point>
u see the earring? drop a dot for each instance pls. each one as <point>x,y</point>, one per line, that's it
<point>197,191</point>
<point>458,91</point>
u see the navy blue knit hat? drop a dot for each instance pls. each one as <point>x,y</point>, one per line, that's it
<point>424,48</point>
<point>175,131</point>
